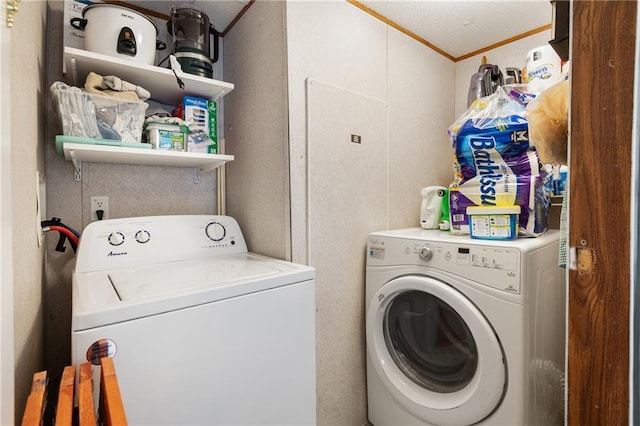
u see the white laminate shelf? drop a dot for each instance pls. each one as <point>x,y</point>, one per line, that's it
<point>160,82</point>
<point>78,153</point>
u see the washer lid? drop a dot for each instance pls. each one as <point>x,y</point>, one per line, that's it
<point>108,297</point>
<point>435,351</point>
<point>160,281</point>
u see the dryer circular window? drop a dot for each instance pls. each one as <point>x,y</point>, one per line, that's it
<point>436,352</point>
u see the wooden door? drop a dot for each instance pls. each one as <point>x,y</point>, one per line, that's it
<point>603,43</point>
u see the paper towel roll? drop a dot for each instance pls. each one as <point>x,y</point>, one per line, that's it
<point>544,68</point>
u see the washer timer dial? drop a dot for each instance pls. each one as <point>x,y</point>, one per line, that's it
<point>425,253</point>
<point>143,236</point>
<point>215,231</point>
<point>116,238</point>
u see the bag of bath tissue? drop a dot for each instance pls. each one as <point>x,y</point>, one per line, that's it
<point>530,188</point>
<point>431,208</point>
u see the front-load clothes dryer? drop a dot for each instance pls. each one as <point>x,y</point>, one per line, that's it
<point>461,331</point>
<point>201,331</point>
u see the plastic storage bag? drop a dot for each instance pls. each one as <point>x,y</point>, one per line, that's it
<point>495,163</point>
<point>493,125</point>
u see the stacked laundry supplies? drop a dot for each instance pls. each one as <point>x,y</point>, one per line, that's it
<point>495,163</point>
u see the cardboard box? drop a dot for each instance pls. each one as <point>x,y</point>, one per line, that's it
<point>202,115</point>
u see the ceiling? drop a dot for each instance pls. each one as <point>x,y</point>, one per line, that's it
<point>461,27</point>
<point>457,27</point>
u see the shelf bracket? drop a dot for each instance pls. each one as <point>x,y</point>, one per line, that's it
<point>220,94</point>
<point>196,176</point>
<point>205,169</point>
<point>77,165</point>
<point>77,175</point>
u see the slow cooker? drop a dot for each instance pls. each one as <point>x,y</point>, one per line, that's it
<point>119,31</point>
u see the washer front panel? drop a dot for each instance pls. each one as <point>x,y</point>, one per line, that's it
<point>423,334</point>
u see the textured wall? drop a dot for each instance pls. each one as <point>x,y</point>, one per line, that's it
<point>420,100</point>
<point>347,199</point>
<point>27,135</point>
<point>344,51</point>
<point>337,44</point>
<point>351,191</point>
<point>256,129</point>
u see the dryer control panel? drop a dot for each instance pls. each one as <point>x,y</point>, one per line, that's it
<point>496,267</point>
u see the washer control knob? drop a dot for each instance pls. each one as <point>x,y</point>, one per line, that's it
<point>116,238</point>
<point>143,236</point>
<point>215,231</point>
<point>425,253</point>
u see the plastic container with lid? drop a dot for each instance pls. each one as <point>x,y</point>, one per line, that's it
<point>166,136</point>
<point>493,222</point>
<point>95,116</point>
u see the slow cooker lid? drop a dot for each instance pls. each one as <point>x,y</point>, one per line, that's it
<point>108,5</point>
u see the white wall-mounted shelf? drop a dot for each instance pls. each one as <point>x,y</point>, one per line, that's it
<point>160,82</point>
<point>79,152</point>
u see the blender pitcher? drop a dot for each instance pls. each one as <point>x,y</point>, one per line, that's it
<point>191,33</point>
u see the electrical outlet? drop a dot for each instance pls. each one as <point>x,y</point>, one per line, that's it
<point>99,203</point>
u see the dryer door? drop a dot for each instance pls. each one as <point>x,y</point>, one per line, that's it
<point>435,351</point>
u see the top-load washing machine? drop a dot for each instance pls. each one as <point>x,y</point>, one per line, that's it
<point>463,331</point>
<point>201,331</point>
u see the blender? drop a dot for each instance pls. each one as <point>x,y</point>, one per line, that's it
<point>191,33</point>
